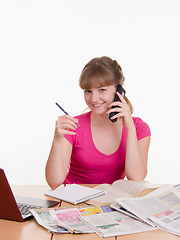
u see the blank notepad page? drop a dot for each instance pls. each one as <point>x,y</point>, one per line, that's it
<point>74,193</point>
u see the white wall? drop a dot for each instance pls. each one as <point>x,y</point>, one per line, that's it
<point>43,47</point>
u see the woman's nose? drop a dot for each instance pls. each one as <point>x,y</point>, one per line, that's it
<point>94,97</point>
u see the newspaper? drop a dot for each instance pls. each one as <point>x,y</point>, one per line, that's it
<point>67,220</point>
<point>70,219</point>
<point>116,206</point>
<point>43,217</point>
<point>115,224</point>
<point>159,208</point>
<point>169,220</point>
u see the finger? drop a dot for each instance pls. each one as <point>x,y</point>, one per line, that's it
<point>66,132</point>
<point>121,97</point>
<point>119,104</point>
<point>118,109</point>
<point>118,115</point>
<point>67,120</point>
<point>75,120</point>
<point>66,126</point>
<point>63,128</point>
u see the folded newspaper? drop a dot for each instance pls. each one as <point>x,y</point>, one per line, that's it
<point>66,220</point>
<point>115,223</point>
<point>169,219</point>
<point>160,208</point>
<point>105,221</point>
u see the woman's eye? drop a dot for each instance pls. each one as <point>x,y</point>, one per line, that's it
<point>102,89</point>
<point>87,91</point>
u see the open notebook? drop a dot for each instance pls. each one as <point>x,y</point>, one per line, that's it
<point>74,193</point>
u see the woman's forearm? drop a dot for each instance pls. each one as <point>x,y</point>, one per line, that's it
<point>56,167</point>
<point>59,157</point>
<point>136,160</point>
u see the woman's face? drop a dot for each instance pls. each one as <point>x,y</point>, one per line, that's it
<point>99,98</point>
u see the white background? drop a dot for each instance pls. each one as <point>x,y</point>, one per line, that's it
<point>43,47</point>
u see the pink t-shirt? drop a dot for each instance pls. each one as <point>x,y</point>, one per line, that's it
<point>90,166</point>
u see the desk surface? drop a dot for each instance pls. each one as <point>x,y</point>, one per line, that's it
<point>31,230</point>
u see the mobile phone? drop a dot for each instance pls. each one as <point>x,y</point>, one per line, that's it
<point>121,90</point>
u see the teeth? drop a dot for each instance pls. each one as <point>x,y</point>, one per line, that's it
<point>97,105</point>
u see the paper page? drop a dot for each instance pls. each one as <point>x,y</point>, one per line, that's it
<point>128,188</point>
<point>70,217</point>
<point>114,224</point>
<point>74,193</point>
<point>168,220</point>
<point>159,200</point>
<point>106,199</point>
<point>123,210</point>
<point>43,217</point>
<point>67,220</point>
<point>122,188</point>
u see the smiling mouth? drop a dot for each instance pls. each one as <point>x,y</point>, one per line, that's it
<point>97,105</point>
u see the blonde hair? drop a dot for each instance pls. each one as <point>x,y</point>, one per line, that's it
<point>101,72</point>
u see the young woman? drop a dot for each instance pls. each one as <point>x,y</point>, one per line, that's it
<point>99,150</point>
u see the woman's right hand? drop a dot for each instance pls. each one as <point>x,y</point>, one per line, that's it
<point>64,124</point>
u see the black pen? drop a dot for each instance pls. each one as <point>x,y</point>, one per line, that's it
<point>65,112</point>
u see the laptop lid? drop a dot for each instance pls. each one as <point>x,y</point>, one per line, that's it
<point>8,205</point>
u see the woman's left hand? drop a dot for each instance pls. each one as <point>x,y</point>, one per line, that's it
<point>123,111</point>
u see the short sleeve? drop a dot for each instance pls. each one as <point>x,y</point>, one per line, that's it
<point>142,128</point>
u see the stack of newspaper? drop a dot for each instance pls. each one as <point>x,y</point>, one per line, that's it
<point>158,209</point>
<point>105,221</point>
